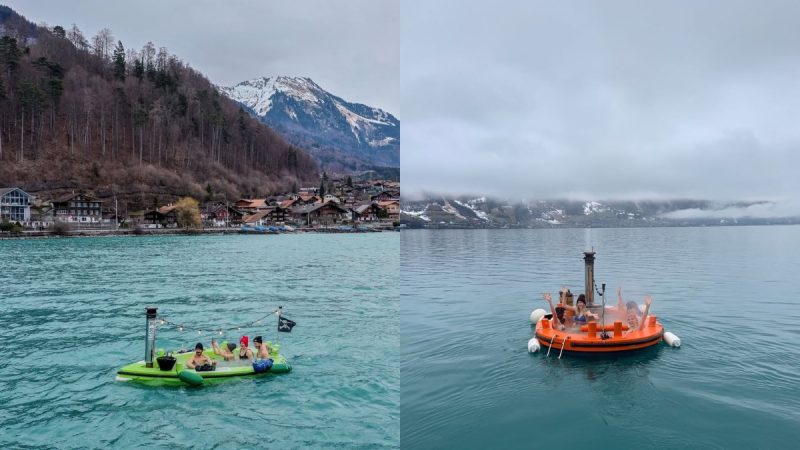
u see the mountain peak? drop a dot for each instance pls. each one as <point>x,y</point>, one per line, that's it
<point>313,118</point>
<point>257,93</point>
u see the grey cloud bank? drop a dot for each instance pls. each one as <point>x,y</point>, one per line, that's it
<point>603,100</point>
<point>350,48</point>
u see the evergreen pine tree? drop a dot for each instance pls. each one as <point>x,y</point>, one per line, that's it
<point>59,31</point>
<point>119,61</point>
<point>138,69</point>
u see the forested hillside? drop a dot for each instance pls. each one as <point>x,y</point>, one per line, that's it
<point>80,112</point>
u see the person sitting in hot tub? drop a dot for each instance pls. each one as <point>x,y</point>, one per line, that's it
<point>263,349</point>
<point>245,352</point>
<point>631,311</point>
<point>581,314</point>
<point>199,361</point>
<point>225,351</point>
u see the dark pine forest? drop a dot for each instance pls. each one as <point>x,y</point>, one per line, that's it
<point>87,113</point>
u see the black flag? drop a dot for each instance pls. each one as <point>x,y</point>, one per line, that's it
<point>285,325</point>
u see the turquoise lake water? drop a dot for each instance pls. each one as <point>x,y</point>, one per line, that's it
<point>731,294</point>
<point>72,313</point>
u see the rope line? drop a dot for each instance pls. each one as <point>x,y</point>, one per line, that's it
<point>200,330</point>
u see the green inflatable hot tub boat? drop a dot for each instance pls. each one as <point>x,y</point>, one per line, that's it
<point>180,375</point>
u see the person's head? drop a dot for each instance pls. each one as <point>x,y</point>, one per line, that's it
<point>231,346</point>
<point>257,341</point>
<point>244,341</point>
<point>580,303</point>
<point>198,349</point>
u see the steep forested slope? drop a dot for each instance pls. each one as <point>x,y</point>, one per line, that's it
<point>78,113</point>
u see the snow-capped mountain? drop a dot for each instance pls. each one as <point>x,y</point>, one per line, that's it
<point>339,134</point>
<point>482,212</point>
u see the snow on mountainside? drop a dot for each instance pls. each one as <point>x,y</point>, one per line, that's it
<point>338,133</point>
<point>482,212</point>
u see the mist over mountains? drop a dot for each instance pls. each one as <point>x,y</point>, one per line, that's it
<point>484,212</point>
<point>339,134</point>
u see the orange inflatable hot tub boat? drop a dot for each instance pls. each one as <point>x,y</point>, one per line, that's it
<point>594,338</point>
<point>608,334</point>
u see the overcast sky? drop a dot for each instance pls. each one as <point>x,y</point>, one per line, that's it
<point>602,99</point>
<point>350,48</point>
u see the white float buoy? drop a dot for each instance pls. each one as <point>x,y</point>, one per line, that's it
<point>672,340</point>
<point>533,345</point>
<point>537,315</point>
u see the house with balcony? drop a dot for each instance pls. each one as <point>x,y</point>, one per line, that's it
<point>220,215</point>
<point>78,208</point>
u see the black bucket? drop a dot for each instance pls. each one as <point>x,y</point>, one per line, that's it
<point>166,362</point>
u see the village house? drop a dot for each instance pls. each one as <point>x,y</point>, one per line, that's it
<point>259,218</point>
<point>78,208</point>
<point>251,205</point>
<point>288,204</point>
<point>392,208</point>
<point>163,217</point>
<point>42,216</point>
<point>307,199</point>
<point>220,215</point>
<point>273,215</point>
<point>385,195</point>
<point>369,212</point>
<point>278,215</point>
<point>320,214</point>
<point>15,205</point>
<point>330,198</point>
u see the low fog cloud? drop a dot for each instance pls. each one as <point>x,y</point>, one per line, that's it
<point>603,100</point>
<point>785,208</point>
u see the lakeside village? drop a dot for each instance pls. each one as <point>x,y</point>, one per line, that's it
<point>350,206</point>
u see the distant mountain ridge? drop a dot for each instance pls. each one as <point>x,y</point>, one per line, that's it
<point>338,133</point>
<point>483,212</point>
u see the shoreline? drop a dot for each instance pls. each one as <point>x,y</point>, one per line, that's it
<point>45,234</point>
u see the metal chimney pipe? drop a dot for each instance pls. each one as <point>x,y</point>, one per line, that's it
<point>150,336</point>
<point>588,258</point>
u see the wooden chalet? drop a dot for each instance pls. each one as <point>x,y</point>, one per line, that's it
<point>219,215</point>
<point>78,208</point>
<point>321,214</point>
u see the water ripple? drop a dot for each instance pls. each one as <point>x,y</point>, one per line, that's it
<point>729,293</point>
<point>73,314</point>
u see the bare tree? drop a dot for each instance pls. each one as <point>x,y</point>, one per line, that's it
<point>75,35</point>
<point>148,55</point>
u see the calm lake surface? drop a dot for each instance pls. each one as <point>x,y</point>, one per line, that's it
<point>72,313</point>
<point>731,295</point>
